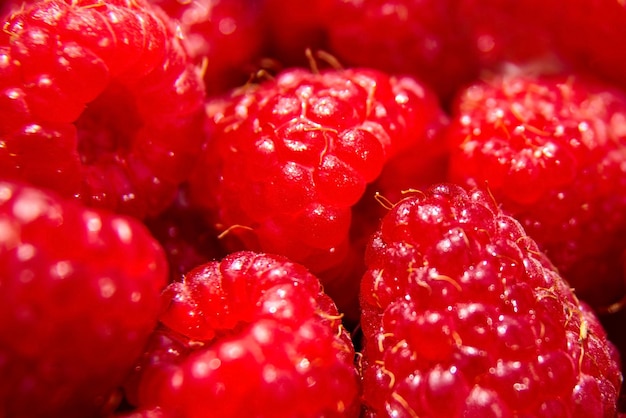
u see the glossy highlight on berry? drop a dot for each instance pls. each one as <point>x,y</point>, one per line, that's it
<point>552,150</point>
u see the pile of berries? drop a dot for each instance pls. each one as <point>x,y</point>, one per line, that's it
<point>290,209</point>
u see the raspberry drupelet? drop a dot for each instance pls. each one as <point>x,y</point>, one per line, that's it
<point>99,100</point>
<point>463,316</point>
<point>288,158</point>
<point>79,298</point>
<point>251,335</point>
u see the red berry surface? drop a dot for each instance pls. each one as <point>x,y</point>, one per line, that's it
<point>288,158</point>
<point>79,296</point>
<point>509,31</point>
<point>552,150</point>
<point>451,43</point>
<point>98,100</point>
<point>403,36</point>
<point>589,34</point>
<point>218,126</point>
<point>252,335</point>
<point>5,9</point>
<point>463,316</point>
<point>224,36</point>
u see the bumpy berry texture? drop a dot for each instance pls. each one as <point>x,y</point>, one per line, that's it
<point>252,335</point>
<point>80,297</point>
<point>98,100</point>
<point>288,158</point>
<point>614,326</point>
<point>223,36</point>
<point>463,316</point>
<point>552,150</point>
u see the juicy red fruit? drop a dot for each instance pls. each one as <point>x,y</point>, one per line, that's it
<point>464,317</point>
<point>449,43</point>
<point>80,296</point>
<point>552,150</point>
<point>99,101</point>
<point>252,335</point>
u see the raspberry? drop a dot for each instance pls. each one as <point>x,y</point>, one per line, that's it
<point>464,316</point>
<point>225,33</point>
<point>404,36</point>
<point>552,150</point>
<point>614,325</point>
<point>252,335</point>
<point>446,43</point>
<point>100,101</point>
<point>288,159</point>
<point>80,297</point>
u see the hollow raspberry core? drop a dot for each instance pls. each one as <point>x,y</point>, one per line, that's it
<point>107,125</point>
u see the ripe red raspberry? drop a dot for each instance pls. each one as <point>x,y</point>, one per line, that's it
<point>80,296</point>
<point>98,100</point>
<point>404,36</point>
<point>614,326</point>
<point>223,35</point>
<point>446,43</point>
<point>252,335</point>
<point>552,150</point>
<point>463,316</point>
<point>613,323</point>
<point>288,159</point>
